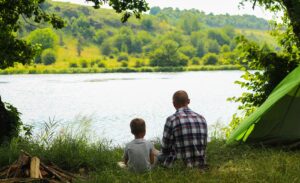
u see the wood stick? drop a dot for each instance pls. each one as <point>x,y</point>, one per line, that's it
<point>35,168</point>
<point>51,172</point>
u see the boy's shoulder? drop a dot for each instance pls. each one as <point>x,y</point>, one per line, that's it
<point>138,141</point>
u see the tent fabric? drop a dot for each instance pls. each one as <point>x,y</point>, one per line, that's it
<point>277,120</point>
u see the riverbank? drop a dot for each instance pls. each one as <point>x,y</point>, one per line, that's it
<point>226,163</point>
<point>40,69</point>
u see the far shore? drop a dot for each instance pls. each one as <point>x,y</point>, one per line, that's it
<point>53,70</point>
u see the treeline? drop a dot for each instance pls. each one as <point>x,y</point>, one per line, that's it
<point>166,37</point>
<point>194,16</point>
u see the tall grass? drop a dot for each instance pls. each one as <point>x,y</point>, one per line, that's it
<point>71,148</point>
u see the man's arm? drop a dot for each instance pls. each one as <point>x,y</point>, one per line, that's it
<point>168,138</point>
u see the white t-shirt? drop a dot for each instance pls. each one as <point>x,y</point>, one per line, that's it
<point>138,154</point>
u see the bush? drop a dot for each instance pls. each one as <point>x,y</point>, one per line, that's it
<point>83,63</point>
<point>123,57</point>
<point>73,64</point>
<point>10,122</point>
<point>210,59</point>
<point>124,64</point>
<point>139,63</point>
<point>48,57</point>
<point>195,61</point>
<point>101,64</point>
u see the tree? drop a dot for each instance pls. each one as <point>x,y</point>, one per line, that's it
<point>291,9</point>
<point>13,49</point>
<point>168,55</point>
<point>127,7</point>
<point>273,65</point>
<point>155,10</point>
<point>48,57</point>
<point>10,123</point>
<point>210,59</point>
<point>46,38</point>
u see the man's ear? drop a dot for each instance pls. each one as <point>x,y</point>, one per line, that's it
<point>188,102</point>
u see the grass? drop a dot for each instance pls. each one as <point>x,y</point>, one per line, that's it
<point>239,163</point>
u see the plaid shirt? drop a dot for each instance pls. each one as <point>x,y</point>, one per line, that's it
<point>185,137</point>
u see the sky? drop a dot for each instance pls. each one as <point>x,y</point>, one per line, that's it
<point>208,6</point>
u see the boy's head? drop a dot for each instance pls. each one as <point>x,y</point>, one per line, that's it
<point>138,127</point>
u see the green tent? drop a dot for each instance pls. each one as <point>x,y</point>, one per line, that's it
<point>277,120</point>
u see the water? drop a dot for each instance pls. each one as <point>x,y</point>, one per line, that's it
<point>112,100</point>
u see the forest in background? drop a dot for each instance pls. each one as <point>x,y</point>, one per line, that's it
<point>164,40</point>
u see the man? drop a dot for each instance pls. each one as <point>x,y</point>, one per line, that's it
<point>185,135</point>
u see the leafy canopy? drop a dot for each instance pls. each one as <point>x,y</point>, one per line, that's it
<point>14,49</point>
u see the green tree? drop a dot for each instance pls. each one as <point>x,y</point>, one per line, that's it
<point>210,59</point>
<point>48,57</point>
<point>168,55</point>
<point>106,47</point>
<point>147,24</point>
<point>291,9</point>
<point>212,46</point>
<point>12,48</point>
<point>46,38</point>
<point>219,36</point>
<point>188,50</point>
<point>10,123</point>
<point>155,10</point>
<point>100,36</point>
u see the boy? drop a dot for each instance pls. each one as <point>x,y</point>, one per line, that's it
<point>139,153</point>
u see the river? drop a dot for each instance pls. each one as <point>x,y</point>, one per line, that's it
<point>112,100</point>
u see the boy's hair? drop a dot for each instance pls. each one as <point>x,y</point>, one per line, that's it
<point>137,126</point>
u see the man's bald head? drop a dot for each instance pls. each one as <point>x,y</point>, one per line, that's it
<point>180,99</point>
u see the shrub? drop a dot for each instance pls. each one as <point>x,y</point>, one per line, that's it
<point>123,56</point>
<point>210,59</point>
<point>10,122</point>
<point>124,64</point>
<point>101,64</point>
<point>139,63</point>
<point>48,57</point>
<point>83,63</point>
<point>73,64</point>
<point>195,61</point>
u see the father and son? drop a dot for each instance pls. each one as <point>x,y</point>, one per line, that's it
<point>184,138</point>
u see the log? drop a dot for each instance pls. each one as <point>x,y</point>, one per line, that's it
<point>35,168</point>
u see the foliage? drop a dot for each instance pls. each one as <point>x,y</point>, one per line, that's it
<point>92,34</point>
<point>45,38</point>
<point>271,67</point>
<point>14,49</point>
<point>210,59</point>
<point>127,6</point>
<point>10,122</point>
<point>48,57</point>
<point>123,57</point>
<point>291,10</point>
<point>72,151</point>
<point>168,55</point>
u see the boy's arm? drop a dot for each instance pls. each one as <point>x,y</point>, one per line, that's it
<point>152,155</point>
